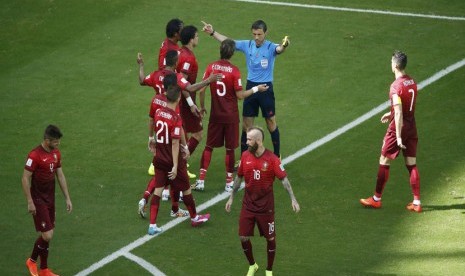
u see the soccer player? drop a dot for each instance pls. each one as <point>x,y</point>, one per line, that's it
<point>260,56</point>
<point>158,81</point>
<point>187,65</point>
<point>223,125</point>
<point>43,165</point>
<point>170,165</point>
<point>401,134</point>
<point>173,35</point>
<point>259,167</point>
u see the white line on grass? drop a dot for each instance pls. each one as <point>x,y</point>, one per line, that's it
<point>460,18</point>
<point>125,251</point>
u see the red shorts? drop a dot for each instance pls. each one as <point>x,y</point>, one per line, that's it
<point>180,183</point>
<point>223,134</point>
<point>44,219</point>
<point>190,122</point>
<point>409,139</point>
<point>265,224</point>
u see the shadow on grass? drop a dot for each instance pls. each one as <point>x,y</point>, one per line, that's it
<point>430,208</point>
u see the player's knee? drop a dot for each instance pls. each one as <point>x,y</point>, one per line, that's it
<point>243,238</point>
<point>47,236</point>
<point>270,239</point>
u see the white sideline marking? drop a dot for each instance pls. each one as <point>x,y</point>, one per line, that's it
<point>125,251</point>
<point>148,266</point>
<point>459,18</point>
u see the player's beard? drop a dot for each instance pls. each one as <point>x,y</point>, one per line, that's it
<point>253,149</point>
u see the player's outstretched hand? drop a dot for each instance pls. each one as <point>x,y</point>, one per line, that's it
<point>400,144</point>
<point>208,28</point>
<point>286,41</point>
<point>385,117</point>
<point>228,205</point>
<point>139,58</point>
<point>262,87</point>
<point>295,206</point>
<point>195,110</point>
<point>173,173</point>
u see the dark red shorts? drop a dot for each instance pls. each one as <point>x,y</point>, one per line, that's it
<point>390,148</point>
<point>265,224</point>
<point>190,122</point>
<point>44,219</point>
<point>223,134</point>
<point>180,183</point>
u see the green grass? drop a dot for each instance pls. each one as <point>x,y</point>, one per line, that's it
<point>73,63</point>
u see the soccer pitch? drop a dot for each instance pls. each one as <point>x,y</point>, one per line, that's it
<point>74,64</point>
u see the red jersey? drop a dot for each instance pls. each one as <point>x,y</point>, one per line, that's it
<point>43,165</point>
<point>155,80</point>
<point>406,88</point>
<point>259,174</point>
<point>159,101</point>
<point>187,64</point>
<point>168,126</point>
<point>166,46</point>
<point>224,100</point>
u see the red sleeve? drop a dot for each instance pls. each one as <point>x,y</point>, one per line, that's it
<point>278,168</point>
<point>32,161</point>
<point>182,82</point>
<point>149,80</point>
<point>177,126</point>
<point>237,80</point>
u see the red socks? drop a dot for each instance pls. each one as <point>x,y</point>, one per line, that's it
<point>154,205</point>
<point>271,250</point>
<point>247,247</point>
<point>383,176</point>
<point>414,180</point>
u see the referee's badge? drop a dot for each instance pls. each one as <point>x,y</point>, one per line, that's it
<point>264,63</point>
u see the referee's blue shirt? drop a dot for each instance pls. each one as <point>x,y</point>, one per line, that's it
<point>260,61</point>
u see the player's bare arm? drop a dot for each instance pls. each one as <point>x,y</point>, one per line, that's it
<point>246,93</point>
<point>287,186</point>
<point>140,61</point>
<point>398,119</point>
<point>175,154</point>
<point>64,189</point>
<point>236,186</point>
<point>208,28</point>
<point>26,183</point>
<point>284,44</point>
<point>184,147</point>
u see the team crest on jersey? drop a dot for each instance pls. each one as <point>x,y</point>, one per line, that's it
<point>265,166</point>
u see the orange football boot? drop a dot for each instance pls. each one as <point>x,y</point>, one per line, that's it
<point>370,202</point>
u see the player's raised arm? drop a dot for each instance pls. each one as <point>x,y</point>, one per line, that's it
<point>140,61</point>
<point>208,28</point>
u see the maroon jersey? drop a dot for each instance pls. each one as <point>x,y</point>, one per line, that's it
<point>159,101</point>
<point>168,126</point>
<point>155,80</point>
<point>166,46</point>
<point>43,165</point>
<point>259,174</point>
<point>187,64</point>
<point>406,88</point>
<point>224,100</point>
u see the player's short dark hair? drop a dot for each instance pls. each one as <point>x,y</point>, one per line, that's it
<point>172,93</point>
<point>171,58</point>
<point>259,129</point>
<point>52,132</point>
<point>259,24</point>
<point>170,80</point>
<point>174,26</point>
<point>400,59</point>
<point>227,48</point>
<point>187,34</point>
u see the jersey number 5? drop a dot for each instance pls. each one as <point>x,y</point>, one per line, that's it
<point>162,132</point>
<point>220,84</point>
